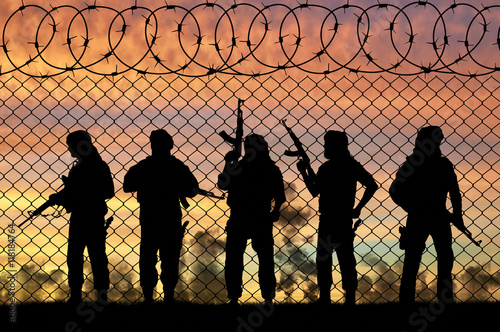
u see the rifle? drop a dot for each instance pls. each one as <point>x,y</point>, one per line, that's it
<point>37,212</point>
<point>207,193</point>
<point>464,230</point>
<point>203,192</point>
<point>300,152</point>
<point>237,140</point>
<point>44,206</point>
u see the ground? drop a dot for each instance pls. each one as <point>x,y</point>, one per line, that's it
<point>92,316</point>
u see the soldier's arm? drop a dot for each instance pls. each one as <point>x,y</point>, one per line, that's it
<point>231,169</point>
<point>367,180</point>
<point>63,196</point>
<point>105,182</point>
<point>131,179</point>
<point>190,183</point>
<point>58,198</point>
<point>455,195</point>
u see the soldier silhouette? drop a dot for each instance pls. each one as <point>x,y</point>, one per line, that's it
<point>255,194</point>
<point>421,187</point>
<point>88,185</point>
<point>160,181</point>
<point>335,184</point>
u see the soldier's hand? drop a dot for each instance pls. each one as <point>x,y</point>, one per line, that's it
<point>458,220</point>
<point>53,199</point>
<point>232,156</point>
<point>275,215</point>
<point>356,212</point>
<point>302,166</point>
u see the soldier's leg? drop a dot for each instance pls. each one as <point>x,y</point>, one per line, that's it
<point>147,263</point>
<point>235,248</point>
<point>263,244</point>
<point>413,255</point>
<point>76,247</point>
<point>96,247</point>
<point>347,262</point>
<point>442,238</point>
<point>325,247</point>
<point>170,250</point>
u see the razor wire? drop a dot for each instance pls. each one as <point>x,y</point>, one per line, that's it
<point>452,52</point>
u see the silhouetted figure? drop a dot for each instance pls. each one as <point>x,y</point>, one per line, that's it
<point>255,194</point>
<point>88,185</point>
<point>335,184</point>
<point>421,188</point>
<point>160,181</point>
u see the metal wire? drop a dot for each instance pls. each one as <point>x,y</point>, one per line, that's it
<point>460,53</point>
<point>381,130</point>
<point>380,113</point>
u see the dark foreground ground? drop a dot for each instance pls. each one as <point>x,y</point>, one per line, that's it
<point>249,318</point>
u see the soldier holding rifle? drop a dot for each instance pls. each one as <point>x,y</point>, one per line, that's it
<point>335,184</point>
<point>88,185</point>
<point>255,195</point>
<point>421,188</point>
<point>161,182</point>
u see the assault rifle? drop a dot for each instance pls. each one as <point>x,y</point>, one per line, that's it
<point>37,212</point>
<point>404,233</point>
<point>48,203</point>
<point>199,191</point>
<point>464,230</point>
<point>210,194</point>
<point>300,152</point>
<point>238,139</point>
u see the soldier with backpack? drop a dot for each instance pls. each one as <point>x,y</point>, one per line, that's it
<point>421,188</point>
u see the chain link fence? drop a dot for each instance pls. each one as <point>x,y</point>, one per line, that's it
<point>380,100</point>
<point>381,116</point>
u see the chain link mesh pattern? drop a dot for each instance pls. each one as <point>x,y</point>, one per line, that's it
<point>380,114</point>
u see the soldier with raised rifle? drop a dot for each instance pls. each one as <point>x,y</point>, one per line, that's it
<point>335,184</point>
<point>255,195</point>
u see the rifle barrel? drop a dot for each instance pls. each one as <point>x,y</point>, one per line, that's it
<point>37,212</point>
<point>465,231</point>
<point>25,221</point>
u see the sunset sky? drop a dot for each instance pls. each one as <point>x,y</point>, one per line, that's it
<point>380,112</point>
